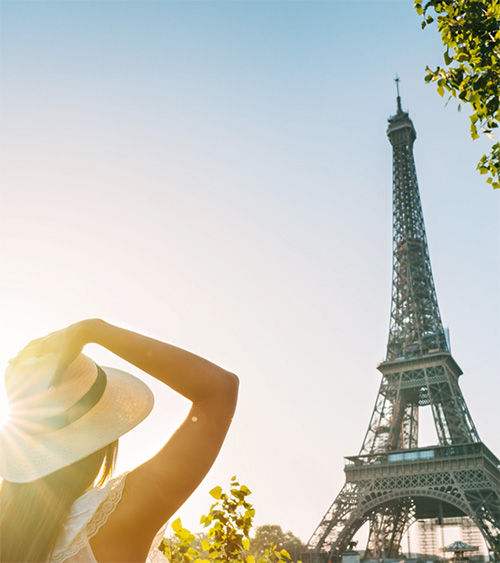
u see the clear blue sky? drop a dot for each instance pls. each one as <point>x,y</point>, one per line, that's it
<point>217,174</point>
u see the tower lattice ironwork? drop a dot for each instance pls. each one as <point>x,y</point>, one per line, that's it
<point>392,482</point>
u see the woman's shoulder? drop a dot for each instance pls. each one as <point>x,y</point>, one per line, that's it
<point>87,515</point>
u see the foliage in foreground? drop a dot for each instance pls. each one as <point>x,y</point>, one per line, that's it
<point>229,523</point>
<point>470,32</point>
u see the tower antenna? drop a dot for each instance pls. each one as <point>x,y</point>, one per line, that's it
<point>396,80</point>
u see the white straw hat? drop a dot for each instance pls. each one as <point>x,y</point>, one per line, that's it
<point>52,425</point>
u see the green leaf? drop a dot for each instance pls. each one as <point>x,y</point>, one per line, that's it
<point>246,544</point>
<point>205,545</point>
<point>176,525</point>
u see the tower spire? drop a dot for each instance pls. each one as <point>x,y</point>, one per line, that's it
<point>398,99</point>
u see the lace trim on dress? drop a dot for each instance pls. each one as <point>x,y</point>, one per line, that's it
<point>87,515</point>
<point>106,508</point>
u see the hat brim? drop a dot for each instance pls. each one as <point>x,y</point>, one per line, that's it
<point>126,401</point>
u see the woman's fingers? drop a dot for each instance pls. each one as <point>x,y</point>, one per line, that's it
<point>35,348</point>
<point>63,342</point>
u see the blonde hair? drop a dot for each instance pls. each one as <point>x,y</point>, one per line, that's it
<point>33,514</point>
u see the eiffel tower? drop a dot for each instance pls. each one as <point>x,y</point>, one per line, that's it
<point>392,482</point>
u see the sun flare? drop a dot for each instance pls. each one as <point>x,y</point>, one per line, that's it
<point>4,406</point>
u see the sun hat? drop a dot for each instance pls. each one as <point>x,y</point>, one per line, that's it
<point>53,424</point>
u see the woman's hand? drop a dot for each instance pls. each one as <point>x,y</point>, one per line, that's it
<point>67,343</point>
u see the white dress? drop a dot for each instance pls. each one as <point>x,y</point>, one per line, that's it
<point>88,513</point>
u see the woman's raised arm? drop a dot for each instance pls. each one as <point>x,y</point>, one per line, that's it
<point>156,489</point>
<point>193,377</point>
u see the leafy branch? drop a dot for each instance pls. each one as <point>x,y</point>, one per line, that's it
<point>229,523</point>
<point>470,32</point>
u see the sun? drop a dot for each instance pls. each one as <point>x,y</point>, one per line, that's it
<point>4,406</point>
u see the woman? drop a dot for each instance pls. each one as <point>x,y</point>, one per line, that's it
<point>66,415</point>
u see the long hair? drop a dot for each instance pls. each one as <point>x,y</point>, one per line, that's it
<point>33,514</point>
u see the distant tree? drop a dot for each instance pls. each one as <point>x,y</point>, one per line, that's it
<point>470,32</point>
<point>272,534</point>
